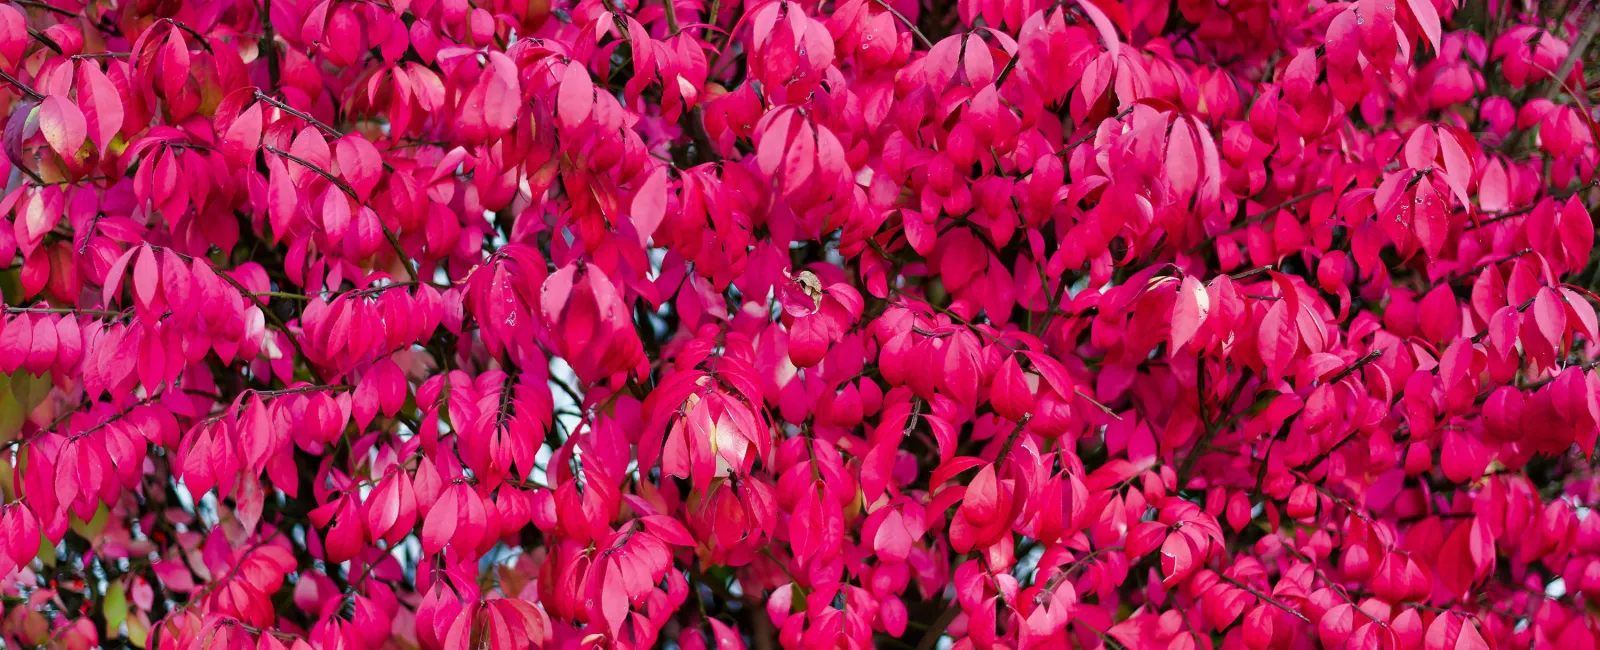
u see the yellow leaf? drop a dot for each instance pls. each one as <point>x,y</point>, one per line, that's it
<point>138,630</point>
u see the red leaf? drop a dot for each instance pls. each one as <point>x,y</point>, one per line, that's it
<point>1278,338</point>
<point>101,104</point>
<point>1010,394</point>
<point>1336,625</point>
<point>982,500</point>
<point>243,137</point>
<point>172,64</point>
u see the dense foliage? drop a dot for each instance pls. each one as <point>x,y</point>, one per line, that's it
<point>498,324</point>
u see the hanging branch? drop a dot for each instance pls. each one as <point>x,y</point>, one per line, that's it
<point>394,242</point>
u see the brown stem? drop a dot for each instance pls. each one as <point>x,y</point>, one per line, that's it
<point>271,315</point>
<point>1087,136</point>
<point>394,242</point>
<point>1520,308</point>
<point>1525,209</point>
<point>97,313</point>
<point>269,44</point>
<point>936,630</point>
<point>1006,71</point>
<point>907,22</point>
<point>285,107</point>
<point>300,389</point>
<point>1054,307</point>
<point>25,88</point>
<point>40,5</point>
<point>1312,464</point>
<point>1369,358</point>
<point>1199,449</point>
<point>1252,272</point>
<point>1265,598</point>
<point>1257,218</point>
<point>204,44</point>
<point>1474,270</point>
<point>45,40</point>
<point>1585,34</point>
<point>373,291</point>
<point>1103,408</point>
<point>1012,439</point>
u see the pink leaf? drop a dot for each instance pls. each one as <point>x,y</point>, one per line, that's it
<point>575,98</point>
<point>63,125</point>
<point>650,203</point>
<point>1188,313</point>
<point>1427,19</point>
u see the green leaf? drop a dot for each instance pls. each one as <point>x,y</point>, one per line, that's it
<point>29,390</point>
<point>91,529</point>
<point>47,551</point>
<point>115,607</point>
<point>11,415</point>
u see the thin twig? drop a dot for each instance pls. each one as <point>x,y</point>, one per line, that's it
<point>25,88</point>
<point>50,8</point>
<point>936,630</point>
<point>1463,275</point>
<point>373,291</point>
<point>45,40</point>
<point>97,313</point>
<point>1563,194</point>
<point>285,107</point>
<point>1257,218</point>
<point>1006,71</point>
<point>1200,446</point>
<point>1585,34</point>
<point>1103,408</point>
<point>317,388</point>
<point>907,22</point>
<point>281,294</point>
<point>1252,272</point>
<point>1087,136</point>
<point>246,293</point>
<point>394,242</point>
<point>102,55</point>
<point>269,45</point>
<point>1264,598</point>
<point>204,44</point>
<point>1070,146</point>
<point>1369,358</point>
<point>1012,439</point>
